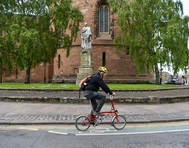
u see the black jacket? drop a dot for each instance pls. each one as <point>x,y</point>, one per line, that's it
<point>96,82</point>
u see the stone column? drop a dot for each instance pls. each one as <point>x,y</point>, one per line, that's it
<point>85,68</point>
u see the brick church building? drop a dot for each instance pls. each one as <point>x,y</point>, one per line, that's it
<point>62,69</point>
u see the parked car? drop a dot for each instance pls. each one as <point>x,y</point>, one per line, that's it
<point>163,82</point>
<point>177,82</point>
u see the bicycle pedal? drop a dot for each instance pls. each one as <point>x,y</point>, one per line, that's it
<point>95,124</point>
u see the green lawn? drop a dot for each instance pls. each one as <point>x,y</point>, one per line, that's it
<point>138,86</point>
<point>73,86</point>
<point>39,85</point>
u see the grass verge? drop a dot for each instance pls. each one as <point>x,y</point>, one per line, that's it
<point>74,86</point>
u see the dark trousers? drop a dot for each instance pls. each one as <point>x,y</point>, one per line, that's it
<point>92,97</point>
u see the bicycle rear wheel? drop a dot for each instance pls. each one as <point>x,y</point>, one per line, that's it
<point>82,123</point>
<point>119,122</point>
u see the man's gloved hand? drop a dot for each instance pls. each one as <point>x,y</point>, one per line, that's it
<point>112,96</point>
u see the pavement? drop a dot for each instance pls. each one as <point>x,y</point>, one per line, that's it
<point>56,106</point>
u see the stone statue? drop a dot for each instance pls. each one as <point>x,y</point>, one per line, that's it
<point>85,68</point>
<point>86,38</point>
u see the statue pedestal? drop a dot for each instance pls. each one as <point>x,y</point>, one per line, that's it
<point>85,68</point>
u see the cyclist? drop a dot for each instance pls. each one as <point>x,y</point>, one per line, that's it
<point>91,91</point>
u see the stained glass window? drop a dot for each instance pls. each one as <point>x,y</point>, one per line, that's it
<point>104,19</point>
<point>101,19</point>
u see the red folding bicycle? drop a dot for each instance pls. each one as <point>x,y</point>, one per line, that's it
<point>83,122</point>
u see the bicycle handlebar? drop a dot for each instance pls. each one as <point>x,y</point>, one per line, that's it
<point>111,97</point>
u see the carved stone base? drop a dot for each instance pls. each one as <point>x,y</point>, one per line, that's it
<point>85,68</point>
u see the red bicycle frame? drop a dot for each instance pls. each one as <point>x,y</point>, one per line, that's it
<point>110,112</point>
<point>113,110</point>
<point>94,118</point>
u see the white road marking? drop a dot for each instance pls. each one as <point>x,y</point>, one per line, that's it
<point>57,133</point>
<point>131,133</point>
<point>102,130</point>
<point>31,129</point>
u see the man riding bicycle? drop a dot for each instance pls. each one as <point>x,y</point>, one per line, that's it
<point>91,91</point>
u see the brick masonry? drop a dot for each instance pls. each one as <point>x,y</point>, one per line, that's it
<point>118,63</point>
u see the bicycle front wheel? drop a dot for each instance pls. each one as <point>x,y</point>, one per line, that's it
<point>119,122</point>
<point>82,123</point>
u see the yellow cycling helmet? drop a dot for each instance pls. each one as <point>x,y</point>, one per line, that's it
<point>103,69</point>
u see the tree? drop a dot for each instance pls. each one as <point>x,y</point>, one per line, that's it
<point>5,44</point>
<point>37,28</point>
<point>5,58</point>
<point>155,31</point>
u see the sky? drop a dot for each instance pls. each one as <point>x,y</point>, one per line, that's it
<point>186,12</point>
<point>185,6</point>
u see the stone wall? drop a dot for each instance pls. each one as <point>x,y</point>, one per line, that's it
<point>37,75</point>
<point>118,63</point>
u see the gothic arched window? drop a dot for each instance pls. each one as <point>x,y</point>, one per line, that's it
<point>104,19</point>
